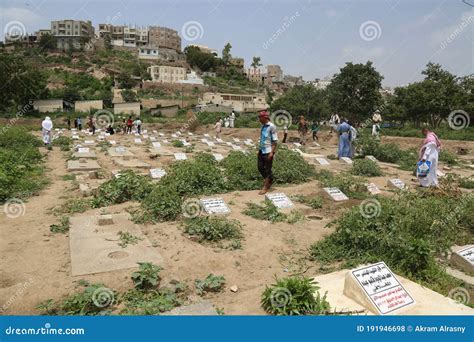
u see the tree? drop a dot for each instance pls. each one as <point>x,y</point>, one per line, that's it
<point>256,62</point>
<point>125,80</point>
<point>226,56</point>
<point>355,91</point>
<point>48,42</point>
<point>197,58</point>
<point>108,42</point>
<point>129,95</point>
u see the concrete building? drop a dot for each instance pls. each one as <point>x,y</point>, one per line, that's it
<point>239,63</point>
<point>192,78</point>
<point>130,108</point>
<point>166,74</point>
<point>87,106</point>
<point>164,37</point>
<point>72,33</point>
<point>239,102</point>
<point>149,52</point>
<point>255,75</point>
<point>124,35</point>
<point>205,49</point>
<point>48,106</point>
<point>321,83</point>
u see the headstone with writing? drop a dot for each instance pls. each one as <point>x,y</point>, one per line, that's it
<point>280,200</point>
<point>214,206</point>
<point>322,161</point>
<point>371,158</point>
<point>376,288</point>
<point>180,156</point>
<point>89,142</point>
<point>138,141</point>
<point>463,258</point>
<point>157,173</point>
<point>156,145</point>
<point>83,150</point>
<point>396,183</point>
<point>373,189</point>
<point>218,157</point>
<point>335,194</point>
<point>346,160</point>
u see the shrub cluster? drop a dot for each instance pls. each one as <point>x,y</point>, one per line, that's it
<point>352,186</point>
<point>365,167</point>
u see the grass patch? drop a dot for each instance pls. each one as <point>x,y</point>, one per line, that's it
<point>62,227</point>
<point>269,212</point>
<point>214,229</point>
<point>63,142</point>
<point>314,202</point>
<point>212,283</point>
<point>125,239</point>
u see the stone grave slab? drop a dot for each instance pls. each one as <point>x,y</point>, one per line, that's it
<point>280,200</point>
<point>396,183</point>
<point>190,134</point>
<point>218,157</point>
<point>180,156</point>
<point>377,288</point>
<point>215,206</point>
<point>335,194</point>
<point>236,147</point>
<point>145,131</point>
<point>346,160</point>
<point>89,142</point>
<point>83,149</point>
<point>322,161</point>
<point>94,248</point>
<point>131,163</point>
<point>152,138</point>
<point>112,142</point>
<point>137,141</point>
<point>119,151</point>
<point>156,145</point>
<point>166,141</point>
<point>174,136</point>
<point>248,143</point>
<point>137,135</point>
<point>373,189</point>
<point>210,144</point>
<point>207,135</point>
<point>84,152</point>
<point>237,140</point>
<point>202,308</point>
<point>371,158</point>
<point>297,144</point>
<point>157,173</point>
<point>229,144</point>
<point>462,258</point>
<point>146,136</point>
<point>204,140</point>
<point>82,165</point>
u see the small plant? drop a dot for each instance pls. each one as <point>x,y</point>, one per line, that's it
<point>210,228</point>
<point>147,276</point>
<point>69,177</point>
<point>313,202</point>
<point>127,239</point>
<point>212,283</point>
<point>150,302</point>
<point>295,216</point>
<point>466,182</point>
<point>294,296</point>
<point>177,143</point>
<point>73,205</point>
<point>63,142</point>
<point>267,211</point>
<point>365,167</point>
<point>62,227</point>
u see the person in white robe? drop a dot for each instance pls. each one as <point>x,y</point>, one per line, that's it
<point>232,120</point>
<point>429,151</point>
<point>46,129</point>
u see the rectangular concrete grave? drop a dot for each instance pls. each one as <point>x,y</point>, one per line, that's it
<point>220,141</point>
<point>322,161</point>
<point>137,135</point>
<point>462,258</point>
<point>137,141</point>
<point>396,183</point>
<point>204,140</point>
<point>248,143</point>
<point>88,154</point>
<point>119,151</point>
<point>371,158</point>
<point>75,137</point>
<point>95,249</point>
<point>131,163</point>
<point>210,144</point>
<point>89,142</point>
<point>146,136</point>
<point>86,165</point>
<point>377,289</point>
<point>335,194</point>
<point>157,173</point>
<point>236,147</point>
<point>180,156</point>
<point>218,157</point>
<point>280,200</point>
<point>229,144</point>
<point>145,131</point>
<point>346,160</point>
<point>373,189</point>
<point>214,206</point>
<point>104,220</point>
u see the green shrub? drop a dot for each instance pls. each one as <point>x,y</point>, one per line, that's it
<point>73,205</point>
<point>313,202</point>
<point>365,167</point>
<point>177,143</point>
<point>448,158</point>
<point>150,302</point>
<point>267,211</point>
<point>61,227</point>
<point>213,228</point>
<point>467,182</point>
<point>208,118</point>
<point>161,204</point>
<point>63,142</point>
<point>294,296</point>
<point>147,276</point>
<point>212,283</point>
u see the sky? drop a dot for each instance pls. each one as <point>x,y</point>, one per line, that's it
<point>309,38</point>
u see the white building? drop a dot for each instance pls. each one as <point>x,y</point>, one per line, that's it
<point>166,74</point>
<point>321,84</point>
<point>239,102</point>
<point>192,78</point>
<point>148,52</point>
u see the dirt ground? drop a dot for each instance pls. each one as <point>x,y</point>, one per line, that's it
<point>35,263</point>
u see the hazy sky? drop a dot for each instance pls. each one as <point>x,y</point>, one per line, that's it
<point>310,38</point>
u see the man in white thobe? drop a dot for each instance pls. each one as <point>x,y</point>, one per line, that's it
<point>46,128</point>
<point>232,120</point>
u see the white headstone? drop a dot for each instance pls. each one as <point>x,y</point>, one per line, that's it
<point>107,134</point>
<point>203,140</point>
<point>236,147</point>
<point>346,160</point>
<point>373,189</point>
<point>145,136</point>
<point>207,135</point>
<point>145,131</point>
<point>380,288</point>
<point>155,131</point>
<point>165,141</point>
<point>297,150</point>
<point>152,138</point>
<point>186,144</point>
<point>190,134</point>
<point>120,149</point>
<point>138,141</point>
<point>137,135</point>
<point>89,142</point>
<point>468,254</point>
<point>156,144</point>
<point>229,144</point>
<point>297,144</point>
<point>219,140</point>
<point>112,142</point>
<point>396,183</point>
<point>218,157</point>
<point>215,206</point>
<point>322,161</point>
<point>83,150</point>
<point>371,158</point>
<point>336,194</point>
<point>210,144</point>
<point>236,140</point>
<point>174,136</point>
<point>180,156</point>
<point>248,143</point>
<point>157,173</point>
<point>75,137</point>
<point>161,134</point>
<point>280,200</point>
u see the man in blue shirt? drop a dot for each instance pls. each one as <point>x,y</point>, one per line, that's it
<point>266,151</point>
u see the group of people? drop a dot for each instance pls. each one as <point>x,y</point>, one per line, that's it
<point>228,121</point>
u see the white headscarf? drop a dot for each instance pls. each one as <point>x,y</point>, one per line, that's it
<point>47,124</point>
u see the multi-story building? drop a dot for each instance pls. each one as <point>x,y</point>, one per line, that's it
<point>239,102</point>
<point>238,63</point>
<point>255,75</point>
<point>72,33</point>
<point>192,78</point>
<point>166,74</point>
<point>164,37</point>
<point>321,83</point>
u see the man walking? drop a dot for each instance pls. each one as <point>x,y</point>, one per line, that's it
<point>232,119</point>
<point>266,151</point>
<point>377,120</point>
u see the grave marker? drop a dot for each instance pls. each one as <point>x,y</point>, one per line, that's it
<point>165,141</point>
<point>236,147</point>
<point>210,144</point>
<point>297,144</point>
<point>215,206</point>
<point>371,158</point>
<point>190,134</point>
<point>373,189</point>
<point>89,142</point>
<point>83,150</point>
<point>236,140</point>
<point>322,161</point>
<point>207,135</point>
<point>180,156</point>
<point>218,157</point>
<point>112,142</point>
<point>297,150</point>
<point>157,173</point>
<point>463,259</point>
<point>440,173</point>
<point>280,200</point>
<point>75,137</point>
<point>346,160</point>
<point>156,145</point>
<point>161,134</point>
<point>396,183</point>
<point>152,139</point>
<point>336,194</point>
<point>219,140</point>
<point>377,288</point>
<point>174,135</point>
<point>137,141</point>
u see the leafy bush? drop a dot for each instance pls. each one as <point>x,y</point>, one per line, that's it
<point>294,296</point>
<point>467,182</point>
<point>147,276</point>
<point>351,186</point>
<point>213,228</point>
<point>177,143</point>
<point>212,283</point>
<point>151,302</point>
<point>313,202</point>
<point>267,211</point>
<point>448,157</point>
<point>129,186</point>
<point>161,204</point>
<point>63,142</point>
<point>365,167</point>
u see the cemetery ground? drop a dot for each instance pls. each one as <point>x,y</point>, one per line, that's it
<point>46,261</point>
